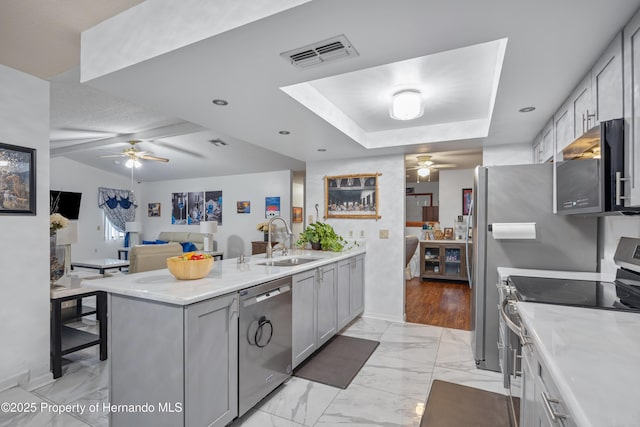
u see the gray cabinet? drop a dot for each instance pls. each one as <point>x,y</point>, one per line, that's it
<point>344,293</point>
<point>182,359</point>
<point>356,285</point>
<point>631,44</point>
<point>541,404</point>
<point>563,126</point>
<point>607,83</point>
<point>211,356</point>
<point>305,328</point>
<point>327,302</point>
<point>324,301</point>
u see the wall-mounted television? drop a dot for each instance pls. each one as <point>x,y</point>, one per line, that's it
<point>66,203</point>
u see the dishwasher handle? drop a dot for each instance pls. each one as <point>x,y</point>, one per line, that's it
<point>266,295</point>
<point>262,322</point>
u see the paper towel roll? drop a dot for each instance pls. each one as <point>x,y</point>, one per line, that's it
<point>514,230</point>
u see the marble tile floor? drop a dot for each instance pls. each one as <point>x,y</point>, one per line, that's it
<point>390,390</point>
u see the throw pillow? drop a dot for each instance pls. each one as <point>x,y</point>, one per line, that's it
<point>160,242</point>
<point>148,242</point>
<point>188,247</point>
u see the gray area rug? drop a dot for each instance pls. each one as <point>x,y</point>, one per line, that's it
<point>461,406</point>
<point>338,361</point>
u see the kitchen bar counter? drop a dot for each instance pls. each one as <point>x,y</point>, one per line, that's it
<point>225,277</point>
<point>592,356</point>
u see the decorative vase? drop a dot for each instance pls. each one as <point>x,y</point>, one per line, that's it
<point>266,236</point>
<point>56,260</point>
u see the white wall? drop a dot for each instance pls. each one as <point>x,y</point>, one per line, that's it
<point>64,177</point>
<point>509,154</point>
<point>237,231</point>
<point>414,210</point>
<point>451,184</point>
<point>24,254</point>
<point>384,265</point>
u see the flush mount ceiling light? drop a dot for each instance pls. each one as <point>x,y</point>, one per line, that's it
<point>284,132</point>
<point>527,109</point>
<point>406,105</point>
<point>220,102</point>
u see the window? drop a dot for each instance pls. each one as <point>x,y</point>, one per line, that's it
<point>110,232</point>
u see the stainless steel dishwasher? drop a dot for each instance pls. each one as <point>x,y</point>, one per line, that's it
<point>264,345</point>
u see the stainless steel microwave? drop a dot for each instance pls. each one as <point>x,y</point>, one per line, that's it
<point>590,171</point>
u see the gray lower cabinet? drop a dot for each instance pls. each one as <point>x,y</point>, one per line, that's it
<point>179,361</point>
<point>326,303</point>
<point>344,293</point>
<point>305,327</point>
<point>541,404</point>
<point>356,306</point>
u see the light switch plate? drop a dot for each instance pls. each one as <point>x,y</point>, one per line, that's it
<point>309,219</point>
<point>384,234</point>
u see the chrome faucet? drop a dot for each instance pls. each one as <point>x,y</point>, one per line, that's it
<point>289,233</point>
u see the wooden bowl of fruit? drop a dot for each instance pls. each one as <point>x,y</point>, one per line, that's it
<point>191,265</point>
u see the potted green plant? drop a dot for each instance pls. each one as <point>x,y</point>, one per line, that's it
<point>321,236</point>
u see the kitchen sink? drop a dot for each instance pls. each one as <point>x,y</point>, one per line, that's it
<point>288,262</point>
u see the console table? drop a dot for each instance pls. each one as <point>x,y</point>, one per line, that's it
<point>260,247</point>
<point>101,264</point>
<point>67,339</point>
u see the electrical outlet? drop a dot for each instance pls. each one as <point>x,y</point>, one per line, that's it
<point>350,233</point>
<point>98,227</point>
<point>384,234</point>
<point>362,233</point>
<point>310,219</point>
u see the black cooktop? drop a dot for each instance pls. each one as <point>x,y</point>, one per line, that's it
<point>623,295</point>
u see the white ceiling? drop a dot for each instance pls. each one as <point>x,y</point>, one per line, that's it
<point>551,45</point>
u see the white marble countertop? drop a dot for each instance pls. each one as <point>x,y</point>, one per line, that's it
<point>593,356</point>
<point>225,277</point>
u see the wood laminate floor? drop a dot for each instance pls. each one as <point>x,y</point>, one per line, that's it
<point>439,302</point>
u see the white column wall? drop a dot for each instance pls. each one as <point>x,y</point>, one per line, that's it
<point>24,253</point>
<point>384,265</point>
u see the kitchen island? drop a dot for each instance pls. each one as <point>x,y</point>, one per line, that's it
<point>590,356</point>
<point>173,344</point>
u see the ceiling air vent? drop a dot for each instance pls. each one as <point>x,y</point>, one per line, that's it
<point>317,53</point>
<point>217,142</point>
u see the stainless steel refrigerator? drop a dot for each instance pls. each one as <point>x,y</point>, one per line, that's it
<point>518,194</point>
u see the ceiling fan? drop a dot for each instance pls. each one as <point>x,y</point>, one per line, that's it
<point>133,155</point>
<point>426,165</point>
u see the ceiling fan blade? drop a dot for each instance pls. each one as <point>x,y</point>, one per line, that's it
<point>148,157</point>
<point>112,155</point>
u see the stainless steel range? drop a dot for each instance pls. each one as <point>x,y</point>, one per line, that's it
<point>622,294</point>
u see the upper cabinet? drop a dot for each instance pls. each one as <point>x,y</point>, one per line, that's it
<point>598,97</point>
<point>606,83</point>
<point>631,44</point>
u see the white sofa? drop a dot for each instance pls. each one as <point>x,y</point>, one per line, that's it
<point>184,236</point>
<point>152,257</point>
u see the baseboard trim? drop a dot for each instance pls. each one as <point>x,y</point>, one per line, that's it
<point>379,316</point>
<point>23,379</point>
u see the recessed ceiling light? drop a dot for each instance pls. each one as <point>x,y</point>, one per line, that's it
<point>322,150</point>
<point>220,102</point>
<point>284,132</point>
<point>527,109</point>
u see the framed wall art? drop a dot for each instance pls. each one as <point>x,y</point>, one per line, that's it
<point>243,207</point>
<point>17,180</point>
<point>154,209</point>
<point>352,196</point>
<point>272,207</point>
<point>467,197</point>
